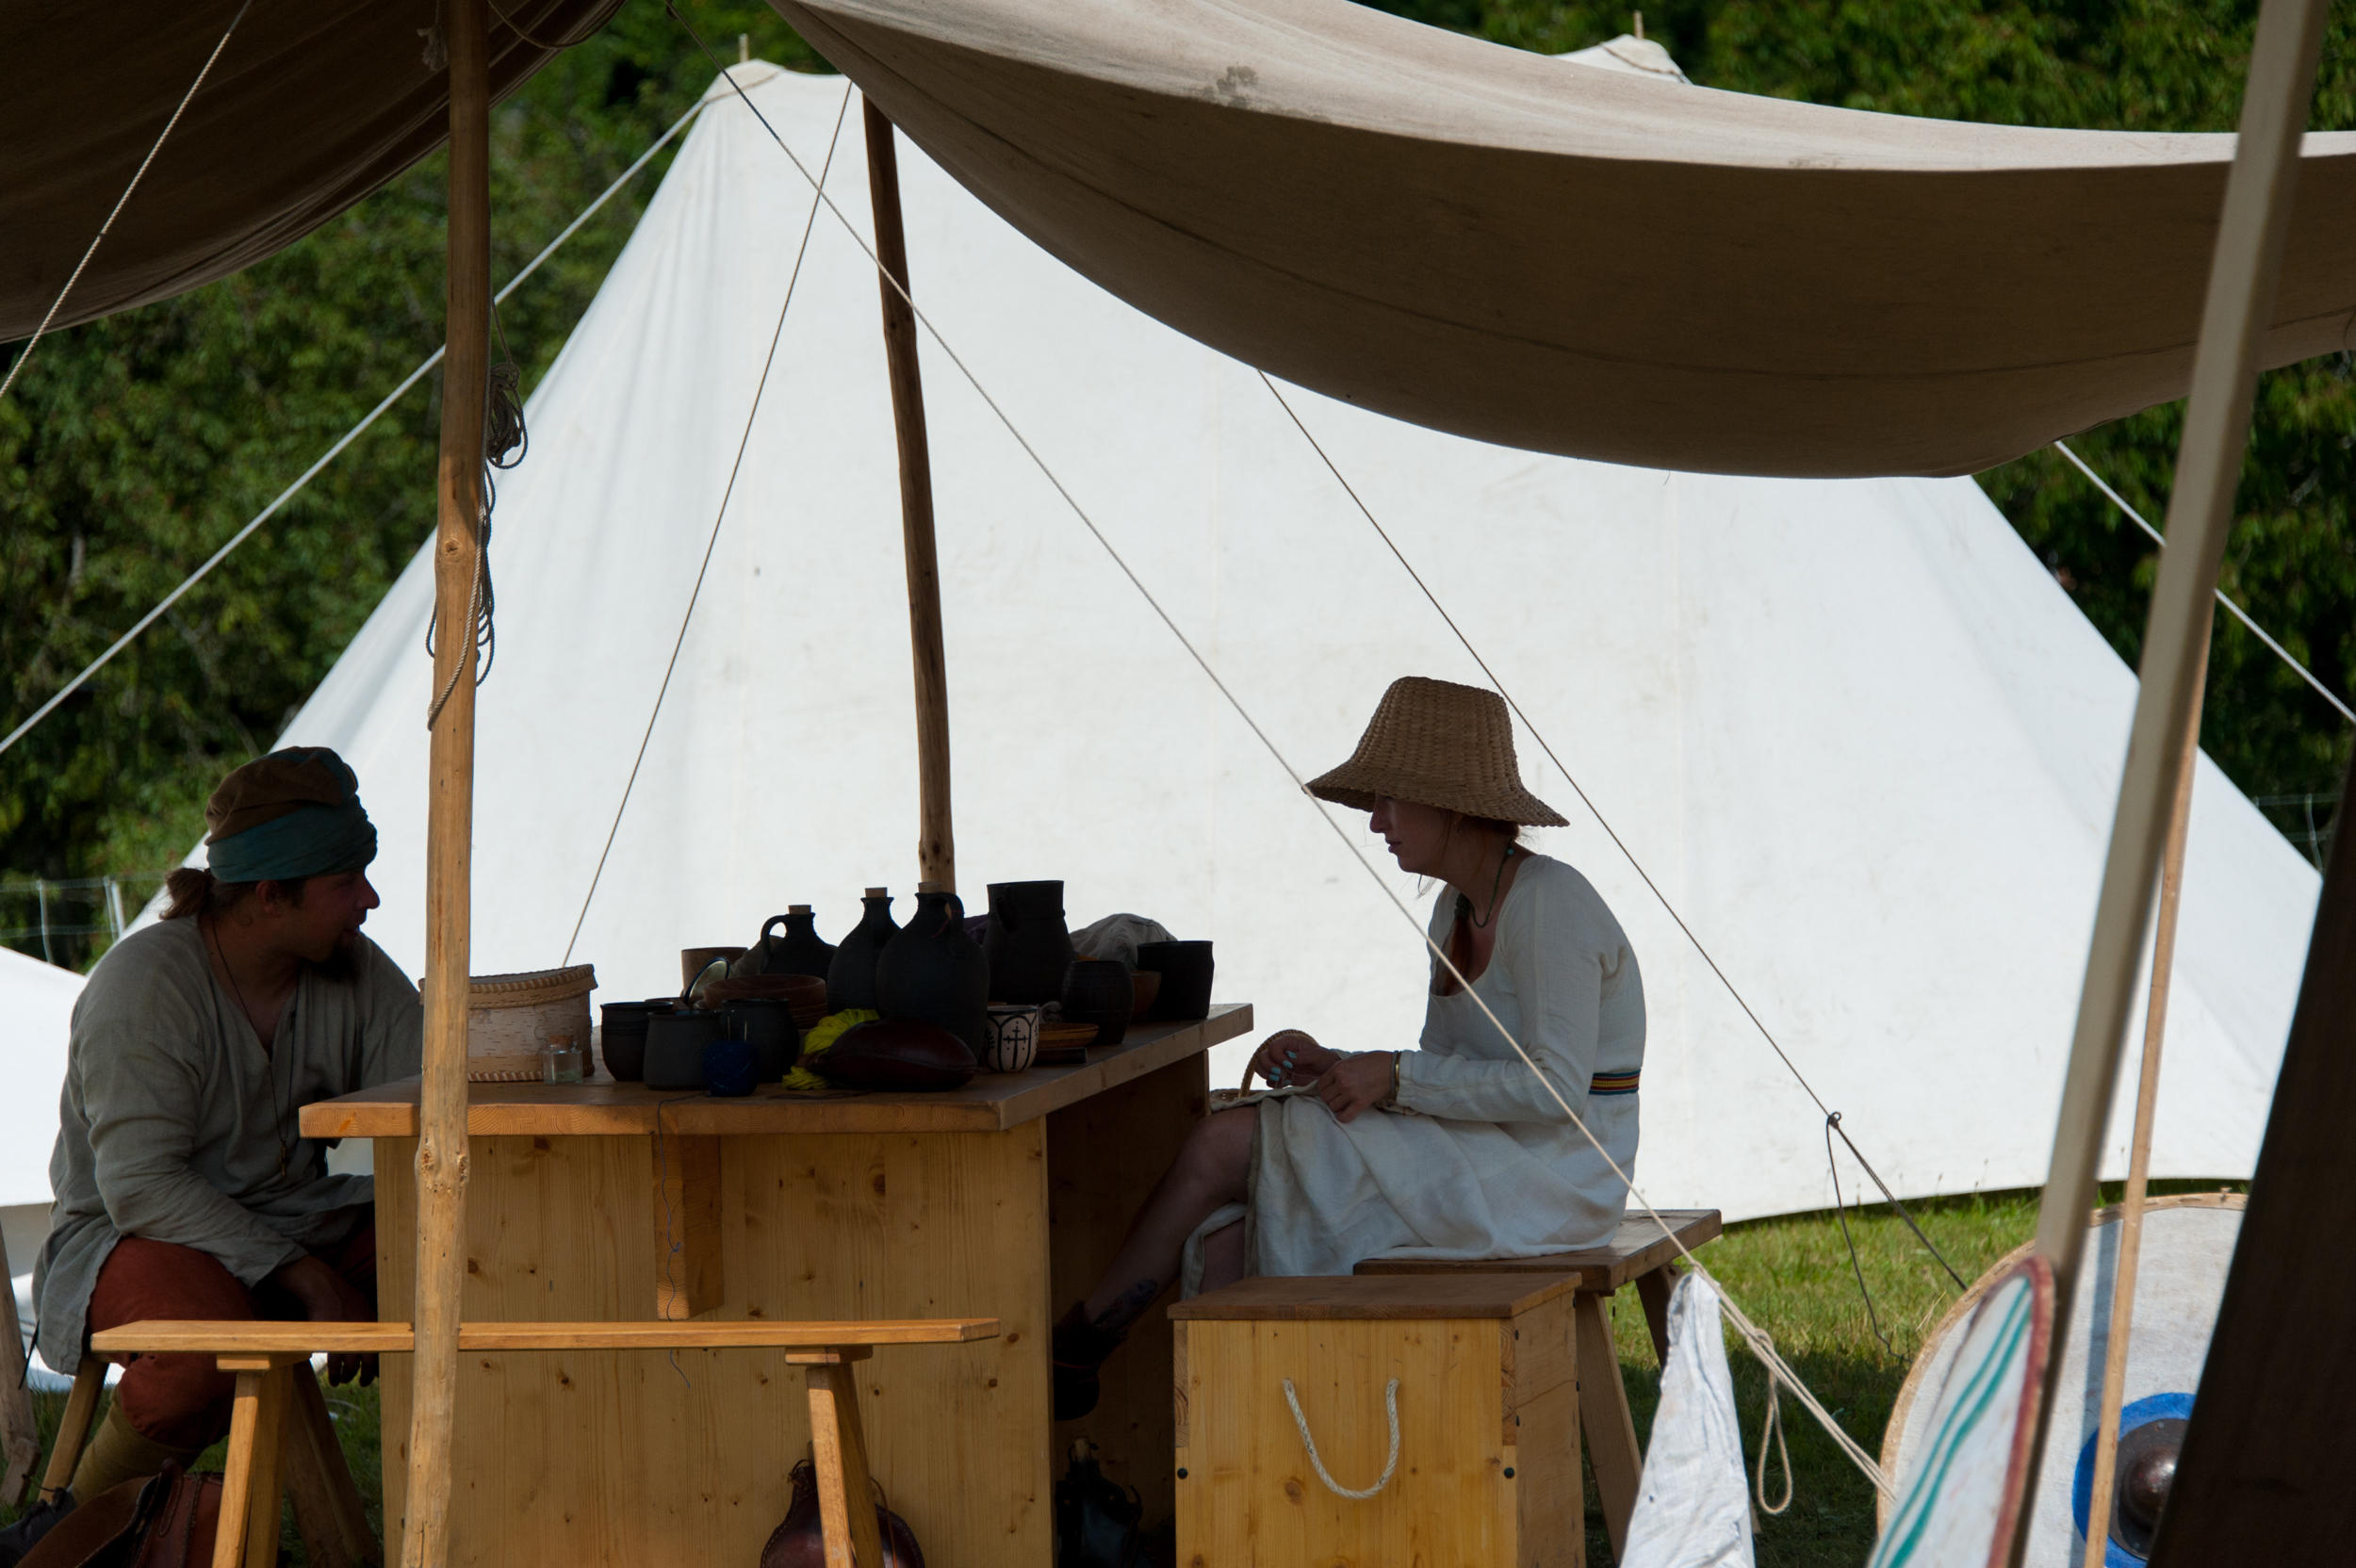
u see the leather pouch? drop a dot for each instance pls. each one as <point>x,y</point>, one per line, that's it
<point>167,1521</point>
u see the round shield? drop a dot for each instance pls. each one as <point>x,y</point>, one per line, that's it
<point>2187,1247</point>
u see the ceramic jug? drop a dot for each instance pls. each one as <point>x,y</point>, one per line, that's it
<point>934,972</point>
<point>1027,944</point>
<point>800,951</point>
<point>851,977</point>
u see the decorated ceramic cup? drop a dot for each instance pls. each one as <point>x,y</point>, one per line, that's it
<point>1013,1040</point>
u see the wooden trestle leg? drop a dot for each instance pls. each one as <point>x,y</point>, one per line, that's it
<point>251,1478</point>
<point>846,1506</point>
<point>73,1430</point>
<point>1604,1419</point>
<point>328,1510</point>
<point>1654,1289</point>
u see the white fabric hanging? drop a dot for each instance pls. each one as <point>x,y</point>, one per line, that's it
<point>1693,1510</point>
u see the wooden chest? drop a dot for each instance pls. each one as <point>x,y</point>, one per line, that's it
<point>1487,1473</point>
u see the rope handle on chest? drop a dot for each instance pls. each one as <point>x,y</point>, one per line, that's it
<point>1390,1466</point>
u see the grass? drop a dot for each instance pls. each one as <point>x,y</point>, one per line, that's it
<point>1790,1274</point>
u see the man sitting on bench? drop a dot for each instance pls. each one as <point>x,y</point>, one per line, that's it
<point>183,1187</point>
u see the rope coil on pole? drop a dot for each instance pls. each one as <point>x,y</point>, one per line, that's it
<point>1390,1466</point>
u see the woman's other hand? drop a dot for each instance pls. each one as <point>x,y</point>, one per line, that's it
<point>1354,1083</point>
<point>1288,1057</point>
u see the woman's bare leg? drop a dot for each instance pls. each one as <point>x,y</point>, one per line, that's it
<point>1212,1170</point>
<point>1222,1256</point>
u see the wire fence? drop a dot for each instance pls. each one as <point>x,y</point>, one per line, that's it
<point>2304,819</point>
<point>70,921</point>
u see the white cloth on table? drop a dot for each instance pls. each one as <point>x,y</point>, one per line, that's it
<point>1489,1167</point>
<point>1693,1510</point>
<point>1117,937</point>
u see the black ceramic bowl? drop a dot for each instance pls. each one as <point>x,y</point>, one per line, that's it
<point>622,1036</point>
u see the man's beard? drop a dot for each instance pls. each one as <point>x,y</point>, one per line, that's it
<point>343,962</point>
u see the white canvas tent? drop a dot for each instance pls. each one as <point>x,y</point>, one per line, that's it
<point>36,1010</point>
<point>1854,732</point>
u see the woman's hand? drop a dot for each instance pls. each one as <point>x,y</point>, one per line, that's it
<point>1288,1057</point>
<point>1354,1083</point>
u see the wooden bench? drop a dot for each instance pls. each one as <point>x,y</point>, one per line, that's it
<point>1637,1252</point>
<point>265,1354</point>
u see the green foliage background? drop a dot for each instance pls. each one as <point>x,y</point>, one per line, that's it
<point>133,447</point>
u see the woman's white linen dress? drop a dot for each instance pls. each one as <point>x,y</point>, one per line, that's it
<point>1489,1166</point>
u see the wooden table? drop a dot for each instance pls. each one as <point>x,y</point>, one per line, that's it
<point>615,1202</point>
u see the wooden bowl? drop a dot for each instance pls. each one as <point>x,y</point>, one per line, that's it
<point>1144,986</point>
<point>1064,1044</point>
<point>804,994</point>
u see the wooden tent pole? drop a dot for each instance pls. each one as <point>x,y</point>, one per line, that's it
<point>936,849</point>
<point>2245,267</point>
<point>449,811</point>
<point>2122,1324</point>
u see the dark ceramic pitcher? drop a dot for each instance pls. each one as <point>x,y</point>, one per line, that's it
<point>1027,944</point>
<point>934,972</point>
<point>800,951</point>
<point>851,977</point>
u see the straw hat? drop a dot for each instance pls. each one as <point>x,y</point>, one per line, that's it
<point>1437,743</point>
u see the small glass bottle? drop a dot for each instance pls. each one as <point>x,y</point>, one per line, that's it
<point>562,1061</point>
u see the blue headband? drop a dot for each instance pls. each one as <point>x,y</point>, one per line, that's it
<point>312,839</point>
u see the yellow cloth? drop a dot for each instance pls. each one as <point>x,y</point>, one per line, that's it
<point>823,1033</point>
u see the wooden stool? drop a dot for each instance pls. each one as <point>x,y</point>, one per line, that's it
<point>305,1456</point>
<point>262,1356</point>
<point>1639,1253</point>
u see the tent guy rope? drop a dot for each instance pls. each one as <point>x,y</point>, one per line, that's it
<point>2239,614</point>
<point>1761,1345</point>
<point>121,201</point>
<point>711,541</point>
<point>303,479</point>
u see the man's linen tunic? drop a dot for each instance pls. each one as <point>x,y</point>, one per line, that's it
<point>172,1118</point>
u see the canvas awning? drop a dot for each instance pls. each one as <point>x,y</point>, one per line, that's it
<point>1526,250</point>
<point>311,107</point>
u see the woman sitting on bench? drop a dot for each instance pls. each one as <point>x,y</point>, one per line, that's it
<point>1482,1161</point>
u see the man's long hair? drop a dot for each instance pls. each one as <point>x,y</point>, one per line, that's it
<point>194,890</point>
